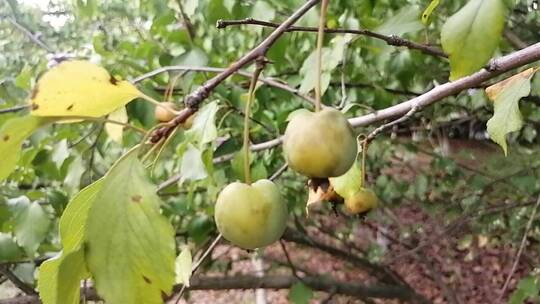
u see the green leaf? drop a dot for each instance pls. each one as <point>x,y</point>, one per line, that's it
<point>24,78</point>
<point>204,128</point>
<point>349,183</point>
<point>263,11</point>
<point>183,267</point>
<point>528,287</point>
<point>192,167</point>
<point>505,96</point>
<point>139,266</point>
<point>300,294</point>
<point>404,21</point>
<point>428,11</point>
<point>59,278</point>
<point>60,153</point>
<point>31,225</point>
<point>12,135</point>
<point>10,251</point>
<point>471,36</point>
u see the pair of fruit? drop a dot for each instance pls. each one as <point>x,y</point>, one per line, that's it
<point>320,144</point>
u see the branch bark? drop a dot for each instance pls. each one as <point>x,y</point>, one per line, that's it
<point>495,68</point>
<point>389,39</point>
<point>268,282</point>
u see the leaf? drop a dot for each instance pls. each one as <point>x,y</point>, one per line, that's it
<point>183,267</point>
<point>59,278</point>
<point>134,261</point>
<point>192,167</point>
<point>505,96</point>
<point>471,35</point>
<point>404,21</point>
<point>349,183</point>
<point>204,128</point>
<point>60,153</point>
<point>12,135</point>
<point>300,293</point>
<point>428,11</point>
<point>10,251</point>
<point>80,88</point>
<point>23,79</point>
<point>116,131</point>
<point>31,225</point>
<point>263,11</point>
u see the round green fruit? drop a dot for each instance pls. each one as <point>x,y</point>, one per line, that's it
<point>251,216</point>
<point>362,201</point>
<point>320,144</point>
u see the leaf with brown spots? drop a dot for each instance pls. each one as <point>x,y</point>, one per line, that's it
<point>80,88</point>
<point>12,135</point>
<point>126,214</point>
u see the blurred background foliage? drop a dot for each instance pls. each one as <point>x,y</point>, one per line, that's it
<point>440,162</point>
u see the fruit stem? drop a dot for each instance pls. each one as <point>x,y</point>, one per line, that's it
<point>320,38</point>
<point>364,148</point>
<point>247,113</point>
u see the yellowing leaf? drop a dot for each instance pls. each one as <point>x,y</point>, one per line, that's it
<point>183,267</point>
<point>60,277</point>
<point>12,135</point>
<point>116,131</point>
<point>506,95</point>
<point>80,88</point>
<point>471,35</point>
<point>428,11</point>
<point>495,90</point>
<point>130,245</point>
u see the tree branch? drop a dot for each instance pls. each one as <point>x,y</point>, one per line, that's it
<point>495,68</point>
<point>268,81</point>
<point>389,39</point>
<point>193,100</point>
<point>324,284</point>
<point>30,35</point>
<point>27,289</point>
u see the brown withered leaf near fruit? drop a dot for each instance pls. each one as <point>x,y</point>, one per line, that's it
<point>321,191</point>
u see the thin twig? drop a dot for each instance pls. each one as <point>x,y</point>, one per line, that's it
<point>289,260</point>
<point>14,109</point>
<point>5,271</point>
<point>30,35</point>
<point>199,262</point>
<point>387,126</point>
<point>276,83</point>
<point>279,172</point>
<point>390,40</point>
<point>320,40</point>
<point>521,249</point>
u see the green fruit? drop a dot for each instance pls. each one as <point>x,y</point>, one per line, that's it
<point>251,216</point>
<point>363,200</point>
<point>320,144</point>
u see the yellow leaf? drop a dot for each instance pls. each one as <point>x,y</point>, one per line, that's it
<point>80,88</point>
<point>493,91</point>
<point>115,131</point>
